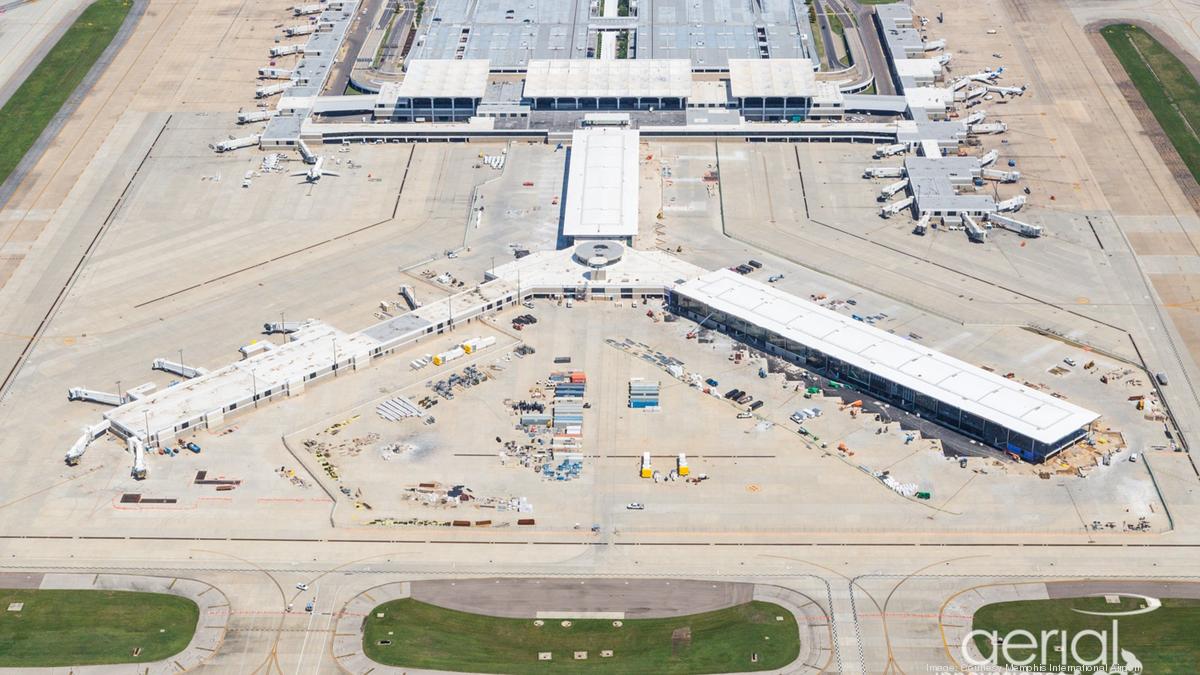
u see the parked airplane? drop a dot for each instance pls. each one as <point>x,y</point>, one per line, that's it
<point>316,171</point>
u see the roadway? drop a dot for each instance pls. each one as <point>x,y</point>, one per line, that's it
<point>828,38</point>
<point>339,79</point>
<point>883,601</point>
<point>869,36</point>
<point>26,36</point>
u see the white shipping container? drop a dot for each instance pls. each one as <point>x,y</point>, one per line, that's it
<point>445,357</point>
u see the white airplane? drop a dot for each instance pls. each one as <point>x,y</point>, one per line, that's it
<point>316,171</point>
<point>987,76</point>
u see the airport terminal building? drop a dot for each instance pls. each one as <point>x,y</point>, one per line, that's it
<point>979,404</point>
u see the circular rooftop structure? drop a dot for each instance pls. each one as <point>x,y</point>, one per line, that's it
<point>598,254</point>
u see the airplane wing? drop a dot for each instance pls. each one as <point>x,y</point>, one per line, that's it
<point>330,173</point>
<point>300,173</point>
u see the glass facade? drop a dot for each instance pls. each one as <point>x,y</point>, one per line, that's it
<point>608,103</point>
<point>429,109</point>
<point>927,407</point>
<point>775,108</point>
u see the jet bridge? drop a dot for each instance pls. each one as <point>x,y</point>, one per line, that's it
<point>1013,204</point>
<point>89,434</point>
<point>177,368</point>
<point>896,207</point>
<point>889,190</point>
<point>975,232</point>
<point>1014,225</point>
<point>981,128</point>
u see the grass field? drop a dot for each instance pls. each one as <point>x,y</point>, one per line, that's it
<point>425,636</point>
<point>1166,85</point>
<point>77,628</point>
<point>36,101</point>
<point>1164,640</point>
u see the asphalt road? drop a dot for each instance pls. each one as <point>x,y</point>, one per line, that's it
<point>9,186</point>
<point>869,34</point>
<point>340,78</point>
<point>1154,589</point>
<point>524,598</point>
<point>827,36</point>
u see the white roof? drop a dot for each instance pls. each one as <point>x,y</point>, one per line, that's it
<point>827,94</point>
<point>308,351</point>
<point>709,92</point>
<point>636,268</point>
<point>668,78</point>
<point>771,77</point>
<point>929,98</point>
<point>945,378</point>
<point>441,78</point>
<point>602,184</point>
<point>918,67</point>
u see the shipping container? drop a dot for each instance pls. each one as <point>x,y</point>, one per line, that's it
<point>448,356</point>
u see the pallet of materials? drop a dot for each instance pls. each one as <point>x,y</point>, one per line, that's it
<point>643,393</point>
<point>395,409</point>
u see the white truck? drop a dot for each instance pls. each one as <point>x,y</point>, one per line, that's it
<point>889,150</point>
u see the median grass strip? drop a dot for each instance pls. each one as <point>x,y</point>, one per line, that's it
<point>55,628</point>
<point>1163,640</point>
<point>40,96</point>
<point>1166,85</point>
<point>414,634</point>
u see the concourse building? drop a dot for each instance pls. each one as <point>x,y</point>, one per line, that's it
<point>602,186</point>
<point>618,84</point>
<point>768,90</point>
<point>979,404</point>
<point>434,91</point>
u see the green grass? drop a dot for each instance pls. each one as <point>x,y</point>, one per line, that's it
<point>623,44</point>
<point>425,636</point>
<point>78,628</point>
<point>40,96</point>
<point>1164,640</point>
<point>835,23</point>
<point>1166,85</point>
